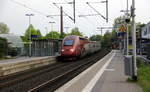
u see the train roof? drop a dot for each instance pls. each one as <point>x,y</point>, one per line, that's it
<point>75,37</point>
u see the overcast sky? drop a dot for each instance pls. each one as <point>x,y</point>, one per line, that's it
<point>12,13</point>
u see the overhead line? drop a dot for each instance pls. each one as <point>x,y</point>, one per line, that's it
<point>96,11</point>
<point>79,13</point>
<point>23,5</point>
<point>87,19</point>
<point>64,12</point>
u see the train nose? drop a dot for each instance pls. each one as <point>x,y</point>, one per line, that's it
<point>64,50</point>
<point>67,52</point>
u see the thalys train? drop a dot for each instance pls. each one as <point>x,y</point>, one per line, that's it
<point>76,46</point>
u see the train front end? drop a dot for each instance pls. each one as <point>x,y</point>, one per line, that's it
<point>68,47</point>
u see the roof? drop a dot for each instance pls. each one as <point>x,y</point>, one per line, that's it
<point>14,40</point>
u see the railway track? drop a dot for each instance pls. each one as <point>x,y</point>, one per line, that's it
<point>49,78</point>
<point>7,81</point>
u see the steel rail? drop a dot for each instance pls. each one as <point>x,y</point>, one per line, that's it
<point>43,85</point>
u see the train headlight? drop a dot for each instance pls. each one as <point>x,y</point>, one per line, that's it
<point>62,50</point>
<point>71,50</point>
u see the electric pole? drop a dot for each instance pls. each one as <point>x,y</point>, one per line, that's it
<point>61,21</point>
<point>134,39</point>
<point>127,30</point>
<point>74,9</point>
<point>30,38</point>
<point>106,10</point>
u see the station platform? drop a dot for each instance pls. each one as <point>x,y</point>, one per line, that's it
<point>11,66</point>
<point>107,75</point>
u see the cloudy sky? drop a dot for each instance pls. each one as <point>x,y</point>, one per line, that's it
<point>12,13</point>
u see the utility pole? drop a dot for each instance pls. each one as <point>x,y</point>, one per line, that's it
<point>106,10</point>
<point>127,30</point>
<point>101,29</point>
<point>30,39</point>
<point>61,21</point>
<point>134,39</point>
<point>74,9</point>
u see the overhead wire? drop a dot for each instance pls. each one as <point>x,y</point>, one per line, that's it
<point>84,17</point>
<point>25,6</point>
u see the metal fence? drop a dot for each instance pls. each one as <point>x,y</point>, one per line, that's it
<point>45,47</point>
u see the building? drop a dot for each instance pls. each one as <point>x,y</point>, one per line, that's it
<point>146,31</point>
<point>144,39</point>
<point>14,41</point>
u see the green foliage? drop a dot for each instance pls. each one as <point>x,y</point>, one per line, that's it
<point>64,35</point>
<point>38,32</point>
<point>3,47</point>
<point>53,35</point>
<point>106,41</point>
<point>144,75</point>
<point>31,31</point>
<point>75,31</point>
<point>12,51</point>
<point>96,38</point>
<point>4,28</point>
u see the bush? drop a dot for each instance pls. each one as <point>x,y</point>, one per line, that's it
<point>144,75</point>
<point>3,47</point>
<point>12,51</point>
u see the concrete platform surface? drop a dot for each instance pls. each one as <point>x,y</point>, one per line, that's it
<point>107,75</point>
<point>11,66</point>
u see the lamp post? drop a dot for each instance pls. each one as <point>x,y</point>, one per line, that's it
<point>67,29</point>
<point>29,15</point>
<point>52,22</point>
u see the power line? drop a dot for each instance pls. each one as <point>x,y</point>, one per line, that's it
<point>64,12</point>
<point>84,17</point>
<point>23,5</point>
<point>89,22</point>
<point>95,10</point>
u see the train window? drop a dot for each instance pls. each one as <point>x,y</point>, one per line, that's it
<point>83,39</point>
<point>68,42</point>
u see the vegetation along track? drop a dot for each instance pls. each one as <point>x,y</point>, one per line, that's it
<point>49,78</point>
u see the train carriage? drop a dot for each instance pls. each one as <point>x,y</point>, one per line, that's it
<point>76,46</point>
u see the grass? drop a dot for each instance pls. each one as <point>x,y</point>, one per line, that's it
<point>4,58</point>
<point>143,75</point>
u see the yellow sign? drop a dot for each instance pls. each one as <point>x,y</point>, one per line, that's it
<point>122,28</point>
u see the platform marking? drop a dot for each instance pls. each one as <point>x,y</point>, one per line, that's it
<point>91,84</point>
<point>109,69</point>
<point>67,85</point>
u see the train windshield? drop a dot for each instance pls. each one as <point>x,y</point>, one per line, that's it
<point>68,42</point>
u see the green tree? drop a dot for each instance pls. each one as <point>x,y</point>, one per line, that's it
<point>114,34</point>
<point>75,31</point>
<point>64,35</point>
<point>106,41</point>
<point>96,38</point>
<point>53,35</point>
<point>31,31</point>
<point>4,28</point>
<point>3,47</point>
<point>38,32</point>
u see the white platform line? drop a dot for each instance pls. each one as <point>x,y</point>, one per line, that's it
<point>67,85</point>
<point>91,84</point>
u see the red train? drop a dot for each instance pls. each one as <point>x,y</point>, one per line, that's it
<point>76,46</point>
